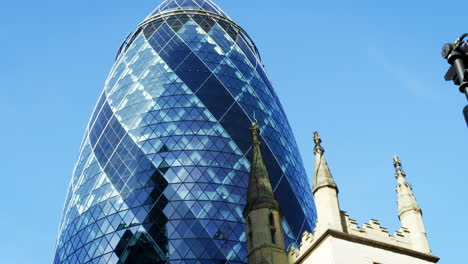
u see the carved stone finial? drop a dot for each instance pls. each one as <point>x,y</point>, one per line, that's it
<point>255,131</point>
<point>322,174</point>
<point>318,147</point>
<point>397,165</point>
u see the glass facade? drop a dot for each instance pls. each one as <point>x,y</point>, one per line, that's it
<point>163,169</point>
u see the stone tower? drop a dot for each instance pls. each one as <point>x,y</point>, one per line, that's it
<point>325,192</point>
<point>262,214</point>
<point>409,212</point>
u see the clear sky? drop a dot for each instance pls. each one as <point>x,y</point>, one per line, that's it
<point>367,75</point>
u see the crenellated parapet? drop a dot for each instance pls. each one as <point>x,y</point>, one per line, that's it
<point>293,254</point>
<point>370,231</point>
<point>373,230</point>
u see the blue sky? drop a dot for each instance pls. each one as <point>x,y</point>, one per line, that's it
<point>366,74</point>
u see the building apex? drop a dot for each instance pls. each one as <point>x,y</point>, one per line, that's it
<point>397,164</point>
<point>206,6</point>
<point>406,200</point>
<point>260,192</point>
<point>318,147</point>
<point>322,174</point>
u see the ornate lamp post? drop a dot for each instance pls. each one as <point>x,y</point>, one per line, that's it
<point>456,55</point>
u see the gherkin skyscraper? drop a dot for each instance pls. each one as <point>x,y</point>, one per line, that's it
<point>162,172</point>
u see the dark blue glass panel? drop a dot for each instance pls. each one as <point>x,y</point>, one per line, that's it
<point>236,123</point>
<point>214,94</point>
<point>193,72</point>
<point>176,22</point>
<point>161,37</point>
<point>262,73</point>
<point>229,29</point>
<point>247,51</point>
<point>174,52</point>
<point>151,28</point>
<point>206,23</point>
<point>294,214</point>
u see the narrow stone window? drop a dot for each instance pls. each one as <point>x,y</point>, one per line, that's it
<point>272,229</point>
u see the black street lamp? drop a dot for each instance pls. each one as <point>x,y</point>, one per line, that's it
<point>457,56</point>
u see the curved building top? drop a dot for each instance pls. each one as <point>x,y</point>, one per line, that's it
<point>174,5</point>
<point>170,9</point>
